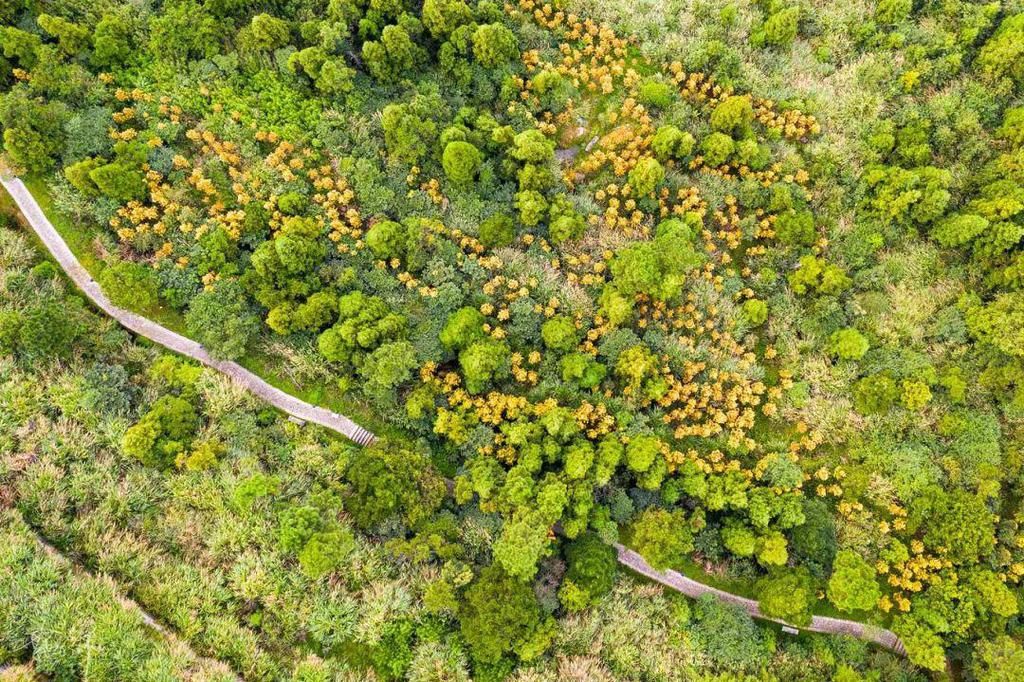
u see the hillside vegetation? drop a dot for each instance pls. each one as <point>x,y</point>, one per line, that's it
<point>736,284</point>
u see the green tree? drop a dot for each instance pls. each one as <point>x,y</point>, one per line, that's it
<point>889,12</point>
<point>500,615</point>
<point>559,333</point>
<point>875,394</point>
<point>998,660</point>
<point>591,574</point>
<point>72,38</point>
<point>388,366</point>
<point>958,521</point>
<point>264,33</point>
<point>130,284</point>
<point>33,129</point>
<point>441,17</point>
<point>717,148</point>
<point>407,134</point>
<point>524,540</point>
<point>163,433</point>
<point>223,320</point>
<point>670,142</point>
<point>1001,55</point>
<point>184,30</point>
<point>852,586</point>
<point>923,645</point>
<point>497,230</point>
<point>387,479</point>
<point>848,344</point>
<point>779,29</point>
<point>733,116</point>
<point>462,328</point>
<point>364,323</point>
<point>46,330</point>
<point>646,176</point>
<point>394,56</point>
<point>728,635</point>
<point>482,362</point>
<point>795,228</point>
<point>787,595</point>
<point>532,146</point>
<point>388,239</point>
<point>661,536</point>
<point>494,45</point>
<point>119,182</point>
<point>112,39</point>
<point>330,75</point>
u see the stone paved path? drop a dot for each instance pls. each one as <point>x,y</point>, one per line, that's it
<point>345,426</point>
<point>694,589</point>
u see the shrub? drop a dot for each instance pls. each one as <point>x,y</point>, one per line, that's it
<point>733,116</point>
<point>646,176</point>
<point>755,311</point>
<point>497,230</point>
<point>461,161</point>
<point>717,148</point>
<point>559,333</point>
<point>848,344</point>
<point>656,93</point>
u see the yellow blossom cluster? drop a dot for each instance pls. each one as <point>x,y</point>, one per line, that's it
<point>702,89</point>
<point>337,200</point>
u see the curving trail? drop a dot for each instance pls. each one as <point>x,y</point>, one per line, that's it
<point>692,588</point>
<point>144,327</point>
<point>345,426</point>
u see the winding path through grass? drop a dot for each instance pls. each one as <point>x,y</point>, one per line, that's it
<point>156,333</point>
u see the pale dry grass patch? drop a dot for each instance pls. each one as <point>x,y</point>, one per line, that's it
<point>382,602</point>
<point>221,395</point>
<point>912,308</point>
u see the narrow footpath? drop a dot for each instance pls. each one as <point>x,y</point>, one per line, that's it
<point>144,327</point>
<point>300,409</point>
